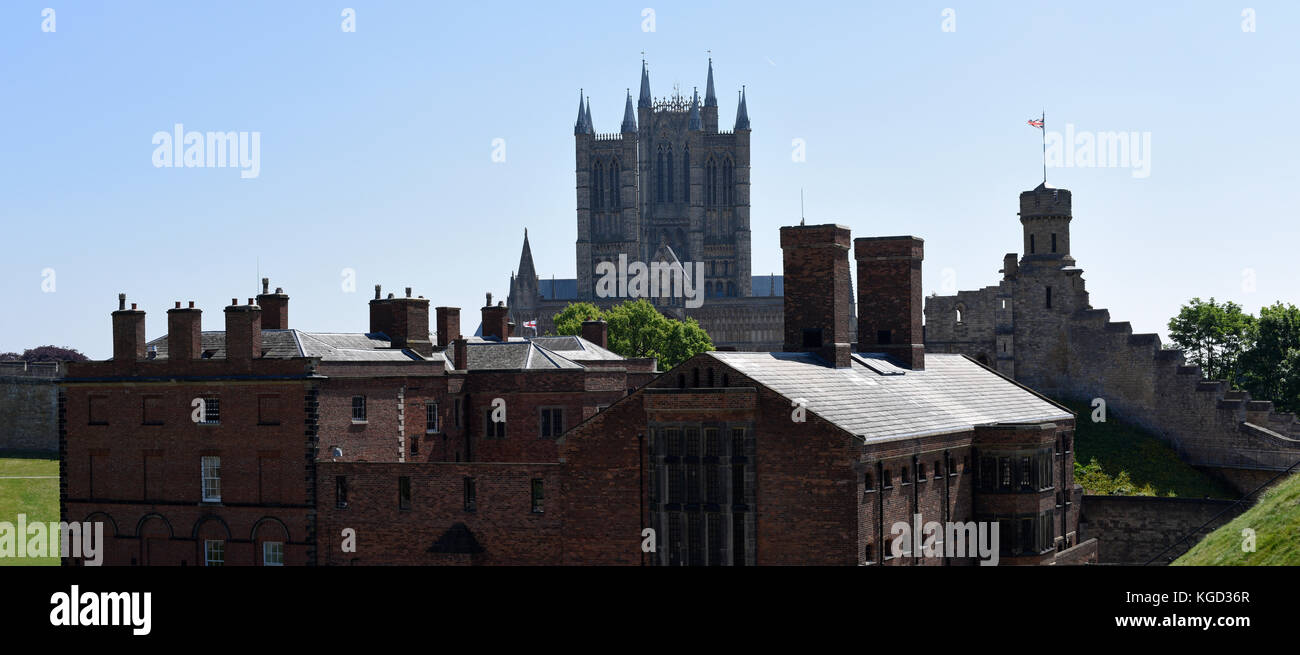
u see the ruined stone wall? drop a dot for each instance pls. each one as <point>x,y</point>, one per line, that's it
<point>29,403</point>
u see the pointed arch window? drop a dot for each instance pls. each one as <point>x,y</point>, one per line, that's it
<point>615,201</point>
<point>669,173</point>
<point>686,175</point>
<point>659,176</point>
<point>711,183</point>
<point>728,183</point>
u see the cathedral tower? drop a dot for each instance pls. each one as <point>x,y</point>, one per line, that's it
<point>669,177</point>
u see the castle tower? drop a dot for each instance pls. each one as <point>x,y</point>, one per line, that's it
<point>1045,214</point>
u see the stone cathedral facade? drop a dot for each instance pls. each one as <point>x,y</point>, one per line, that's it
<point>668,187</point>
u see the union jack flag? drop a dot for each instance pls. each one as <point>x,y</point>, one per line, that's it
<point>531,324</point>
<point>1036,122</point>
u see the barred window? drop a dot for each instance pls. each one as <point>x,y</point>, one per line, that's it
<point>552,422</point>
<point>211,410</point>
<point>358,409</point>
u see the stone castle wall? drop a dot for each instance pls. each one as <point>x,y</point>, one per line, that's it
<point>29,402</point>
<point>1065,348</point>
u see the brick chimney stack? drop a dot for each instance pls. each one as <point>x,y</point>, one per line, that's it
<point>275,307</point>
<point>496,319</point>
<point>889,298</point>
<point>404,320</point>
<point>448,326</point>
<point>184,329</point>
<point>128,332</point>
<point>243,331</point>
<point>596,332</point>
<point>817,291</point>
<point>460,354</point>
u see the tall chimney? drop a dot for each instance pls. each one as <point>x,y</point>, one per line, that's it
<point>817,291</point>
<point>448,326</point>
<point>275,307</point>
<point>243,331</point>
<point>184,330</point>
<point>495,320</point>
<point>128,332</point>
<point>404,320</point>
<point>889,298</point>
<point>596,332</point>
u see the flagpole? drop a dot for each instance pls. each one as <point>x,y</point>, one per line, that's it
<point>1043,129</point>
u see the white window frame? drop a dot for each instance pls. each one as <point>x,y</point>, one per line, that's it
<point>269,548</point>
<point>210,471</point>
<point>211,410</point>
<point>365,415</point>
<point>211,545</point>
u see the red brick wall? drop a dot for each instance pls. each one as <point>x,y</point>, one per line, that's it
<point>503,523</point>
<point>126,471</point>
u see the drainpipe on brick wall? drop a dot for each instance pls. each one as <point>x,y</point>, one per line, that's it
<point>916,503</point>
<point>880,513</point>
<point>640,467</point>
<point>947,499</point>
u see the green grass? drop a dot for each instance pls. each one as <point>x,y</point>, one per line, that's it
<point>37,498</point>
<point>1275,518</point>
<point>1133,462</point>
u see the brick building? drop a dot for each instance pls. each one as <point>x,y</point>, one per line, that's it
<point>264,444</point>
<point>811,455</point>
<point>249,445</point>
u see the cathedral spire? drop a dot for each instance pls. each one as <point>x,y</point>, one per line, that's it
<point>629,117</point>
<point>526,271</point>
<point>591,129</point>
<point>742,114</point>
<point>644,101</point>
<point>580,126</point>
<point>710,98</point>
<point>696,123</point>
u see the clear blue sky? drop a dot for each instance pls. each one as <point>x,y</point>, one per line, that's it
<point>376,145</point>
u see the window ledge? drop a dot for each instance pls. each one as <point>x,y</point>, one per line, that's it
<point>359,422</point>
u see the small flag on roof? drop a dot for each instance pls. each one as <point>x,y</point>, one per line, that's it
<point>1036,122</point>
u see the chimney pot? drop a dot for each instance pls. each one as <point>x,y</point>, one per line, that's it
<point>178,304</point>
<point>279,289</point>
<point>121,301</point>
<point>191,304</point>
<point>132,306</point>
<point>408,292</point>
<point>377,291</point>
<point>266,284</point>
<point>234,301</point>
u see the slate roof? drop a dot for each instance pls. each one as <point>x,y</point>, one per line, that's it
<point>877,400</point>
<point>513,355</point>
<point>575,348</point>
<point>329,346</point>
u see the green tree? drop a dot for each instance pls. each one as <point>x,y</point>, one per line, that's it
<point>1270,370</point>
<point>1214,336</point>
<point>569,320</point>
<point>637,329</point>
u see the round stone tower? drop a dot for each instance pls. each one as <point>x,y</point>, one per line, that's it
<point>1045,214</point>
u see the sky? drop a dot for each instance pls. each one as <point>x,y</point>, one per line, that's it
<point>376,146</point>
